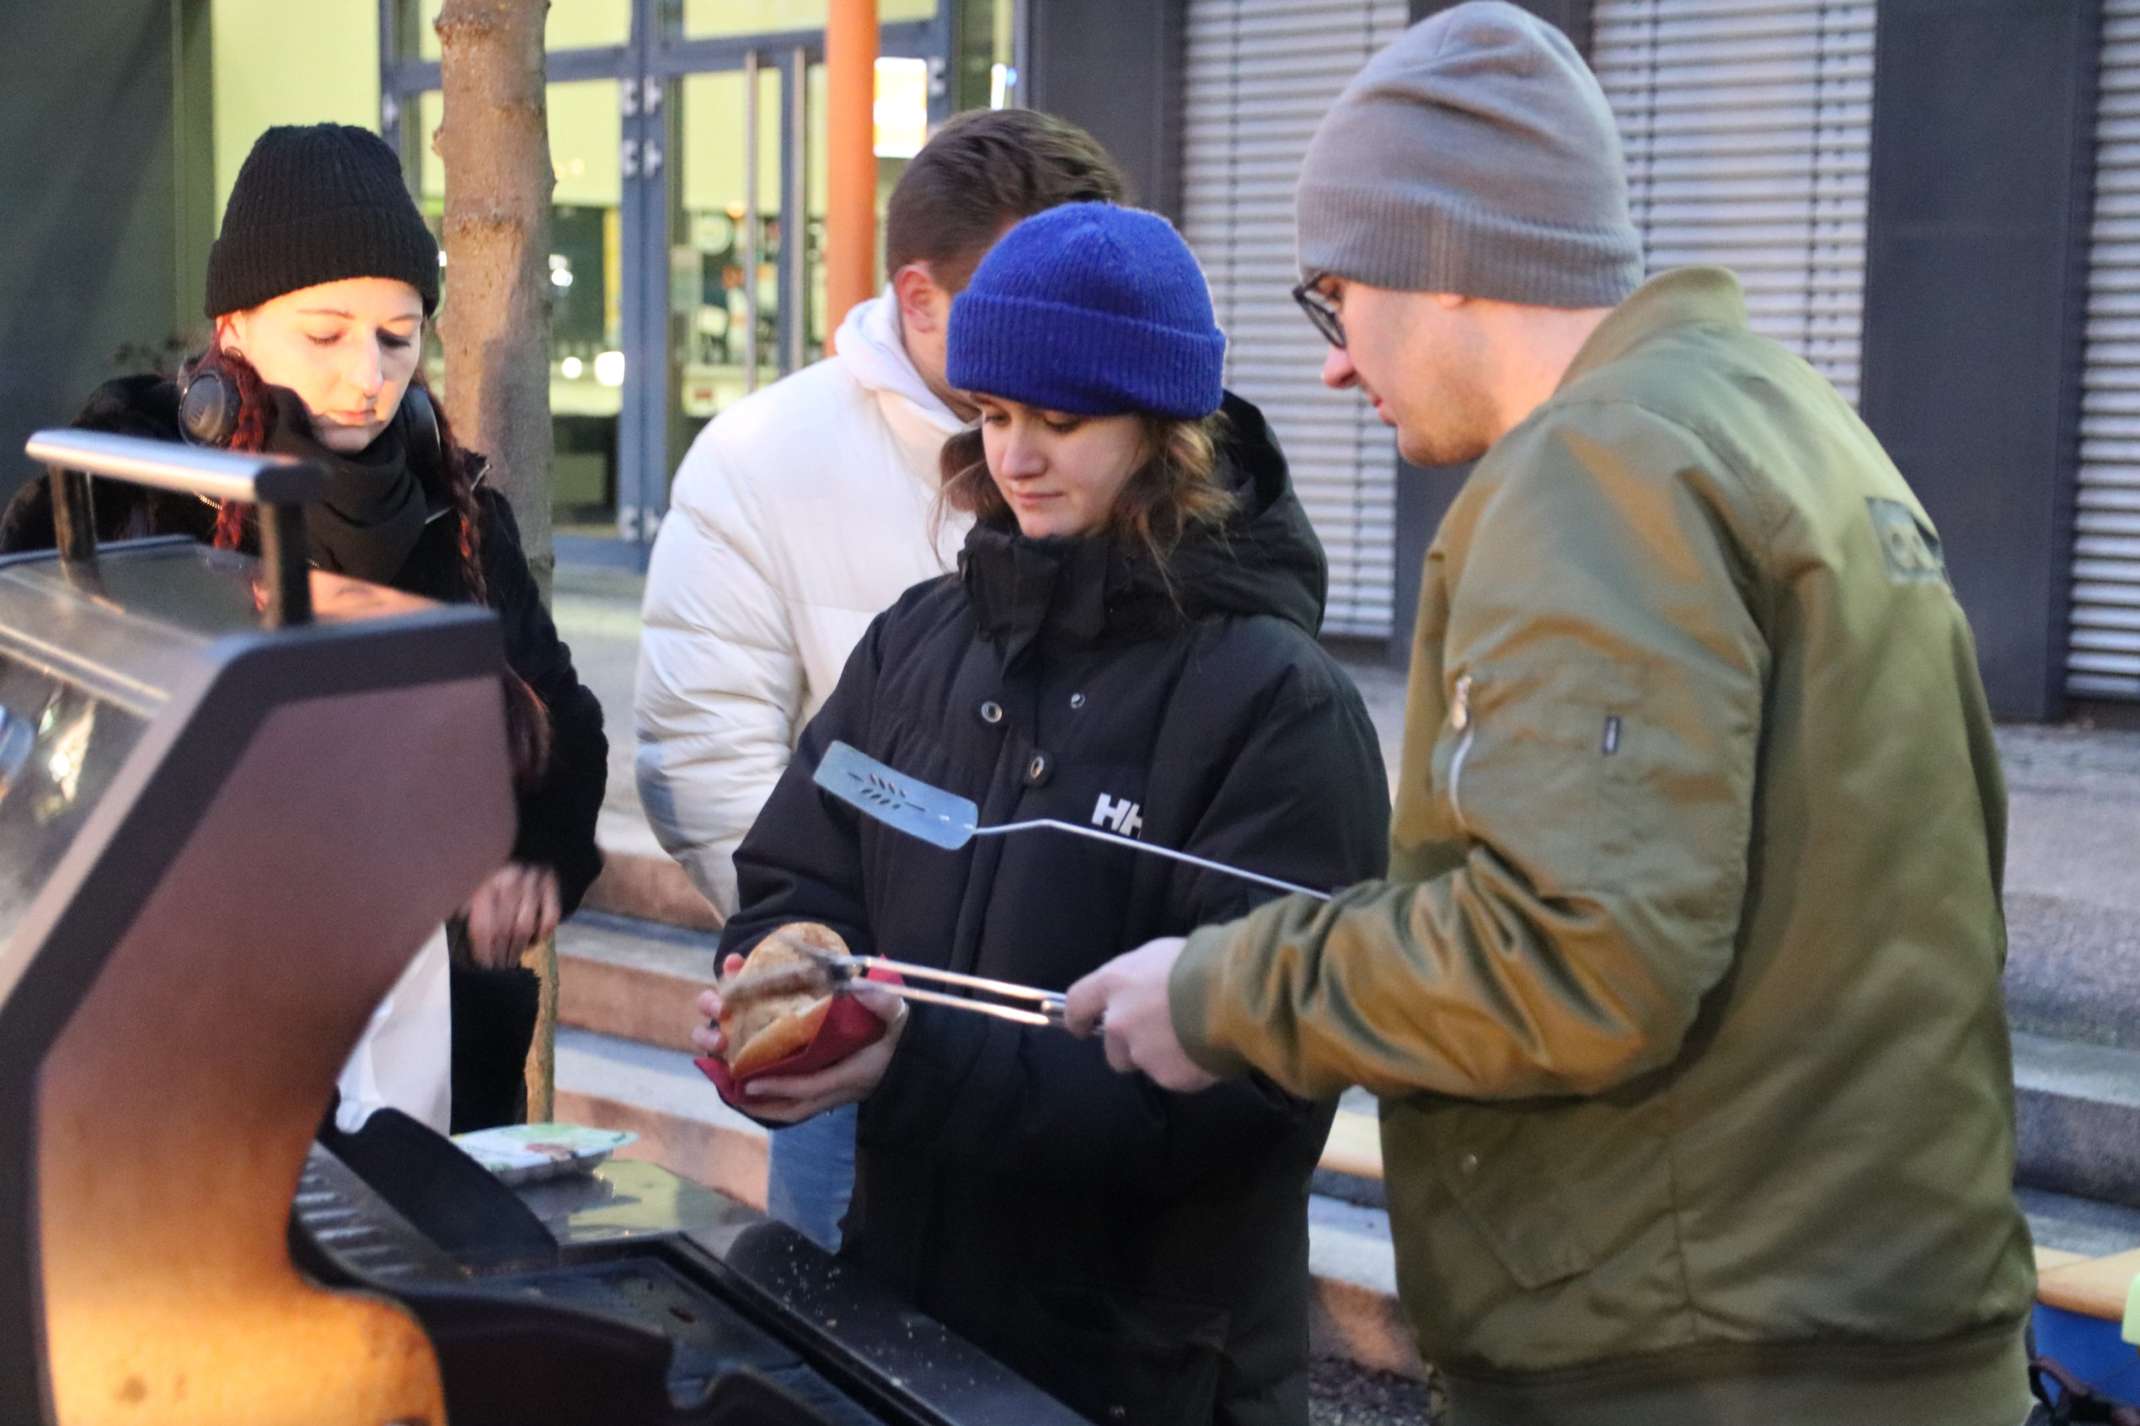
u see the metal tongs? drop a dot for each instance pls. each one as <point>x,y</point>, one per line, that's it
<point>825,972</point>
<point>944,819</point>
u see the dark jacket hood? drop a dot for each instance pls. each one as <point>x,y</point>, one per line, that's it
<point>1265,559</point>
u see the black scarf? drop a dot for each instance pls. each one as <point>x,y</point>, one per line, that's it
<point>373,512</point>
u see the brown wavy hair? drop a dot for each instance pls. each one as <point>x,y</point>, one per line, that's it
<point>1175,491</point>
<point>527,718</point>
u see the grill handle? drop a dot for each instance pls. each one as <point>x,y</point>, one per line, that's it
<point>280,485</point>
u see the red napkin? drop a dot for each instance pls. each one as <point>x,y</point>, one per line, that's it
<point>848,1026</point>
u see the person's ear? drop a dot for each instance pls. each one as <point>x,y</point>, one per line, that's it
<point>226,334</point>
<point>919,297</point>
<point>1449,301</point>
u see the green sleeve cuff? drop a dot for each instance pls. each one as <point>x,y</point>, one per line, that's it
<point>1196,993</point>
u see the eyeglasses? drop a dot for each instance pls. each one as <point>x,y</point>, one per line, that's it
<point>1322,312</point>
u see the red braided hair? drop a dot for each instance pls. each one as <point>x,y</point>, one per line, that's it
<point>527,718</point>
<point>250,434</point>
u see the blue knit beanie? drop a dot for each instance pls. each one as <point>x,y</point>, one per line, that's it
<point>1091,309</point>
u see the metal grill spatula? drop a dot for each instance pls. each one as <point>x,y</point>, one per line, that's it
<point>946,820</point>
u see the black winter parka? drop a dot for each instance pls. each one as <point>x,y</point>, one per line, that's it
<point>1140,1254</point>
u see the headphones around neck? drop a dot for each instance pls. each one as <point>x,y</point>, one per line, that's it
<point>208,416</point>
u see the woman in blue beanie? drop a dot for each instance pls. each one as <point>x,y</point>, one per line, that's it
<point>1130,644</point>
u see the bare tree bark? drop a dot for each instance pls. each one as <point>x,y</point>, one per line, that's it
<point>495,145</point>
<point>494,142</point>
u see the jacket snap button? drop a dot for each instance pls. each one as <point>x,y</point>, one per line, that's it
<point>991,712</point>
<point>1077,700</point>
<point>1036,771</point>
<point>1467,1164</point>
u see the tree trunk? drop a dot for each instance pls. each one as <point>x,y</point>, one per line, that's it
<point>494,143</point>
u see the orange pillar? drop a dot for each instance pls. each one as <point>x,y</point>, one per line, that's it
<point>851,160</point>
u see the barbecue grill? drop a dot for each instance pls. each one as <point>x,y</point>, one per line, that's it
<point>235,796</point>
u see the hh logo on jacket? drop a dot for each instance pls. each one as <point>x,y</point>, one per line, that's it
<point>1125,817</point>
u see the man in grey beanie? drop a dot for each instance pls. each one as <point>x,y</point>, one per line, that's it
<point>1683,998</point>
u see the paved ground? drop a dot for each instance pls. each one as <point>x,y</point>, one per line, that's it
<point>1343,1394</point>
<point>2073,882</point>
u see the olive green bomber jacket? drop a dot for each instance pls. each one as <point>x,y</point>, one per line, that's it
<point>1683,998</point>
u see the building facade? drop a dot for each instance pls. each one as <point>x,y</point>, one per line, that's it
<point>1936,202</point>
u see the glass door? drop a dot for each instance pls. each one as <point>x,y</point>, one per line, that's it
<point>687,225</point>
<point>727,243</point>
<point>743,206</point>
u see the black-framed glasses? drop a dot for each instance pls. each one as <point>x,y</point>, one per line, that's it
<point>1320,309</point>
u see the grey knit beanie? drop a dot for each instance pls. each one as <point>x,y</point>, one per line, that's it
<point>1475,155</point>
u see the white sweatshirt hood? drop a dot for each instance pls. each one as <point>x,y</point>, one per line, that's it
<point>874,353</point>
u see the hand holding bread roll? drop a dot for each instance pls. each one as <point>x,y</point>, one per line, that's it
<point>792,1041</point>
<point>773,1023</point>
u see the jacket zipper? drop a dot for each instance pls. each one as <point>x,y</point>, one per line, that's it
<point>1461,720</point>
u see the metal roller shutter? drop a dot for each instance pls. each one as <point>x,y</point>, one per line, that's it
<point>1748,127</point>
<point>1260,75</point>
<point>2103,656</point>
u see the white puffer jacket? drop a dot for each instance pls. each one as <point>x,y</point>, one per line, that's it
<point>797,515</point>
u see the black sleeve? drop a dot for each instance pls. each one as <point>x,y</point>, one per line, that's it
<point>557,815</point>
<point>1304,799</point>
<point>802,858</point>
<point>144,406</point>
<point>26,524</point>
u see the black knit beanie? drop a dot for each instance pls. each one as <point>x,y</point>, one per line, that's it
<point>317,204</point>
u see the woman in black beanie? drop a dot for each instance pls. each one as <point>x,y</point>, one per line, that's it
<point>319,287</point>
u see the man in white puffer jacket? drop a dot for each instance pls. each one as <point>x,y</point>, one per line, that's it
<point>804,510</point>
<point>797,514</point>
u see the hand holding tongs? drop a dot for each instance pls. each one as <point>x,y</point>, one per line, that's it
<point>837,975</point>
<point>944,820</point>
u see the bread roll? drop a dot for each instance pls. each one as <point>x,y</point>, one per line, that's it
<point>762,1029</point>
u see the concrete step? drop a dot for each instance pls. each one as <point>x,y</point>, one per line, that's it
<point>2077,1111</point>
<point>2069,968</point>
<point>640,880</point>
<point>1351,1167</point>
<point>2064,1226</point>
<point>660,1095</point>
<point>631,979</point>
